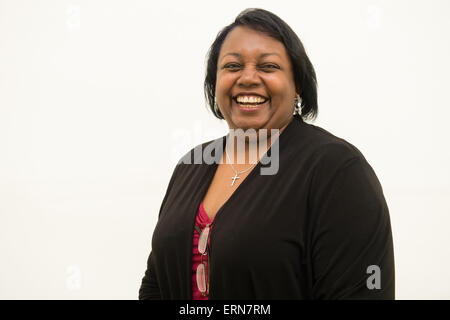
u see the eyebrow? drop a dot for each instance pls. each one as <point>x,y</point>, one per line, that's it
<point>262,55</point>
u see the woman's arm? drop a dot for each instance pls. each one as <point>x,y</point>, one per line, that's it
<point>352,247</point>
<point>149,289</point>
<point>149,286</point>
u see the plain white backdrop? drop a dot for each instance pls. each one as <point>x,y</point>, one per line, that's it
<point>99,99</point>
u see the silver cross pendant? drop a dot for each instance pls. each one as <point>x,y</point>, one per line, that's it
<point>234,179</point>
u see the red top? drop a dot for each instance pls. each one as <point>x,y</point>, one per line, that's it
<point>201,221</point>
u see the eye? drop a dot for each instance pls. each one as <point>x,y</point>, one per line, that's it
<point>269,67</point>
<point>232,66</point>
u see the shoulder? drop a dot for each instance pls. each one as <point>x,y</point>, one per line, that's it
<point>325,159</point>
<point>332,162</point>
<point>320,147</point>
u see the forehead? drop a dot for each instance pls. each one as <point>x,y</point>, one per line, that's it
<point>251,43</point>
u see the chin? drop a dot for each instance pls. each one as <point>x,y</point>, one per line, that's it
<point>249,121</point>
<point>245,124</point>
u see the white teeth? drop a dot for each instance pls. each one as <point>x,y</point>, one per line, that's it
<point>249,99</point>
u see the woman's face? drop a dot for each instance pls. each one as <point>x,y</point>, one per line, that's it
<point>255,85</point>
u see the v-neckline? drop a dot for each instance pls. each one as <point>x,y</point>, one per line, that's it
<point>249,176</point>
<point>209,175</point>
<point>204,214</point>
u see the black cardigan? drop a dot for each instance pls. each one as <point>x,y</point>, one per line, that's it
<point>311,231</point>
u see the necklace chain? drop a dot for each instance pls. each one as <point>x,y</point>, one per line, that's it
<point>237,173</point>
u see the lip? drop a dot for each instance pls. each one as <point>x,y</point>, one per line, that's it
<point>234,104</point>
<point>248,93</point>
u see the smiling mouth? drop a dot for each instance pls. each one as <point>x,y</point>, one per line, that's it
<point>248,104</point>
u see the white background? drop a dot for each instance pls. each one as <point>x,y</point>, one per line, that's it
<point>99,99</point>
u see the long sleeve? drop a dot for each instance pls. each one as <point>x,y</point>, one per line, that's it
<point>352,247</point>
<point>149,289</point>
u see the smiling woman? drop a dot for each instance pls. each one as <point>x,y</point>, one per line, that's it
<point>253,65</point>
<point>275,48</point>
<point>313,229</point>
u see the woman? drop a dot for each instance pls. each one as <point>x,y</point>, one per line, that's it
<point>315,227</point>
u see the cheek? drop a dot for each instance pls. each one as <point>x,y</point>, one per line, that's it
<point>280,88</point>
<point>224,83</point>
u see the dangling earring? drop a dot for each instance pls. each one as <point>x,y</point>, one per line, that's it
<point>298,105</point>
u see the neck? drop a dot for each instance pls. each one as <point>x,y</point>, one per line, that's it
<point>247,149</point>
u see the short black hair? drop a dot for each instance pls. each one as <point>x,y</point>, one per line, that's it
<point>270,24</point>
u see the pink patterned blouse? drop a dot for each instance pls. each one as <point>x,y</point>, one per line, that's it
<point>201,220</point>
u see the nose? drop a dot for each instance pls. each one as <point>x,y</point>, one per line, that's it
<point>249,77</point>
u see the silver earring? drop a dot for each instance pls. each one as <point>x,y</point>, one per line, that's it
<point>298,106</point>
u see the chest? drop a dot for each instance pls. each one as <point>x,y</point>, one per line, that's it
<point>261,222</point>
<point>222,187</point>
